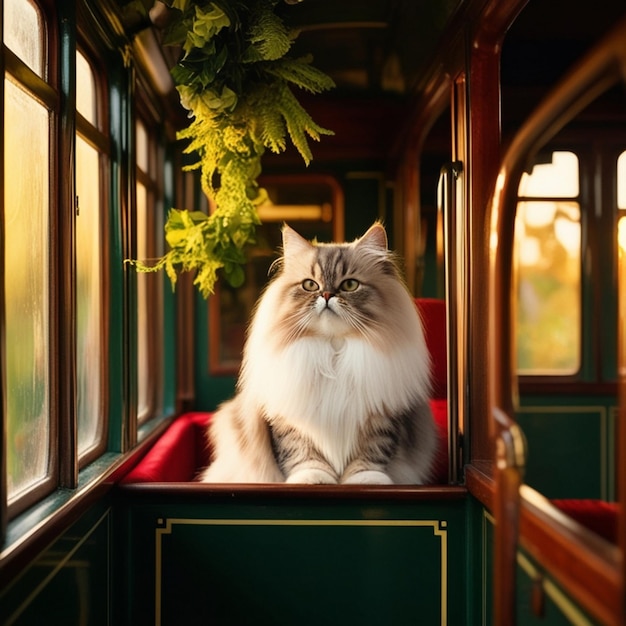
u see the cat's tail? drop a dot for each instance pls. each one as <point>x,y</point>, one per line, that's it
<point>241,447</point>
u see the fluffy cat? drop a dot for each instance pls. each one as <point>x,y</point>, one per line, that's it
<point>335,377</point>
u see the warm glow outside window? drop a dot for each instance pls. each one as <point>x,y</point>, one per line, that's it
<point>149,206</point>
<point>89,267</point>
<point>143,334</point>
<point>621,241</point>
<point>26,257</point>
<point>548,268</point>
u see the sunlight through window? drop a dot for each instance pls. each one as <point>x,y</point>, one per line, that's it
<point>548,268</point>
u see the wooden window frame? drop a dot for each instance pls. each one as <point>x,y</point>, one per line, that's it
<point>46,91</point>
<point>98,138</point>
<point>153,181</point>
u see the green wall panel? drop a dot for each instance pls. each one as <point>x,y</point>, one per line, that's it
<point>569,452</point>
<point>296,563</point>
<point>67,584</point>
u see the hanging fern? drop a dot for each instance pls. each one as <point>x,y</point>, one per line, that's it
<point>235,79</point>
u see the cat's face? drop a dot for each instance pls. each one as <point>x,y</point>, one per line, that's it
<point>335,290</point>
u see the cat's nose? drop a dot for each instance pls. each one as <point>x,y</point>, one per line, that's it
<point>327,295</point>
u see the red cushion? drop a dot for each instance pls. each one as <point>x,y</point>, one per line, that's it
<point>433,314</point>
<point>178,454</point>
<point>597,515</point>
<point>182,451</point>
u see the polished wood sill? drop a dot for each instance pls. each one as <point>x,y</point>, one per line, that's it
<point>480,482</point>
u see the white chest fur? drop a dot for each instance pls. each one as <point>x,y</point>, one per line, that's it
<point>328,391</point>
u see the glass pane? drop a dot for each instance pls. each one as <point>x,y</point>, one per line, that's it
<point>143,325</point>
<point>621,181</point>
<point>89,356</point>
<point>557,178</point>
<point>548,257</point>
<point>26,289</point>
<point>85,89</point>
<point>23,33</point>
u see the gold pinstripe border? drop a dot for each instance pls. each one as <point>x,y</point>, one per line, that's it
<point>165,526</point>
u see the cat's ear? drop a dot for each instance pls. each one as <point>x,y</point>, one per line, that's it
<point>375,237</point>
<point>293,243</point>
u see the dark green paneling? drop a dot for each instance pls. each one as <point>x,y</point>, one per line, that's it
<point>432,285</point>
<point>479,562</point>
<point>68,583</point>
<point>288,563</point>
<point>558,608</point>
<point>569,450</point>
<point>210,390</point>
<point>364,199</point>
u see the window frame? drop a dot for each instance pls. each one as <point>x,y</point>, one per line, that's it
<point>47,91</point>
<point>582,199</point>
<point>153,181</point>
<point>98,138</point>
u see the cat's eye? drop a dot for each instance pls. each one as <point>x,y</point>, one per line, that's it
<point>349,284</point>
<point>309,285</point>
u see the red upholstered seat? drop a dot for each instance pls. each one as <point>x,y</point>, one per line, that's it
<point>597,515</point>
<point>433,314</point>
<point>178,455</point>
<point>182,451</point>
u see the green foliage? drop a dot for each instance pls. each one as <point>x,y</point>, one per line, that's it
<point>235,79</point>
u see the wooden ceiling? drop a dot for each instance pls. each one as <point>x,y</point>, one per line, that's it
<point>374,45</point>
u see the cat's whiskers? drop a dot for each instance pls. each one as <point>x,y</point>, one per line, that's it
<point>367,327</point>
<point>296,325</point>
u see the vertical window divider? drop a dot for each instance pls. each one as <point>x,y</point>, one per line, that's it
<point>65,302</point>
<point>129,193</point>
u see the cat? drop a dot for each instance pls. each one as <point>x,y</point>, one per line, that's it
<point>334,386</point>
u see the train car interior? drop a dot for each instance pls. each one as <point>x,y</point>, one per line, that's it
<point>487,136</point>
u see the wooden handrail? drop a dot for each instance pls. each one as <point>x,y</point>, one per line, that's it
<point>510,455</point>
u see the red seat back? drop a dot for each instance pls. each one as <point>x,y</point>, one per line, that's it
<point>433,314</point>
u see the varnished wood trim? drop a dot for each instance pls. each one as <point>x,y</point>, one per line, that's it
<point>583,563</point>
<point>480,482</point>
<point>192,491</point>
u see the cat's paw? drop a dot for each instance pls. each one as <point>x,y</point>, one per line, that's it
<point>367,477</point>
<point>312,477</point>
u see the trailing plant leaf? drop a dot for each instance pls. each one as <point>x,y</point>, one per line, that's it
<point>299,122</point>
<point>234,79</point>
<point>268,35</point>
<point>301,73</point>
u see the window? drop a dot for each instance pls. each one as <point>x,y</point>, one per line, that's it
<point>28,206</point>
<point>54,271</point>
<point>548,268</point>
<point>149,211</point>
<point>621,182</point>
<point>91,157</point>
<point>621,241</point>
